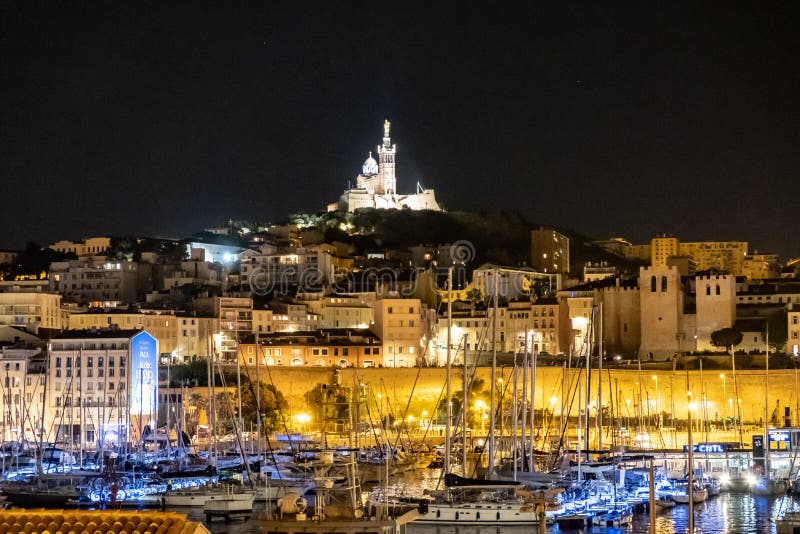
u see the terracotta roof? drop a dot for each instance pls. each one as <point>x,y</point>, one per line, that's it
<point>90,521</point>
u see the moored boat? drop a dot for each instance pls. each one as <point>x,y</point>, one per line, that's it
<point>203,494</point>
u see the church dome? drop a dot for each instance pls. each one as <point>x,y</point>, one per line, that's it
<point>370,166</point>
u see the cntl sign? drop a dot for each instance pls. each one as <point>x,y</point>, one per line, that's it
<point>706,447</point>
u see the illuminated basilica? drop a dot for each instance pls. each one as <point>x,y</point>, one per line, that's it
<point>376,186</point>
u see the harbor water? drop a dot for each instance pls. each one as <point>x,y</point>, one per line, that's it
<point>725,513</point>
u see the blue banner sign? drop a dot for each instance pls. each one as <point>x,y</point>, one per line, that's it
<point>144,376</point>
<point>706,447</point>
<point>778,435</point>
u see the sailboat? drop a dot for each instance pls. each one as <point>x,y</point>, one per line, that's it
<point>334,507</point>
<point>767,484</point>
<point>478,501</point>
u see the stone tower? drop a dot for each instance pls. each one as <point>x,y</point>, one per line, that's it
<point>661,299</point>
<point>386,155</point>
<point>716,306</point>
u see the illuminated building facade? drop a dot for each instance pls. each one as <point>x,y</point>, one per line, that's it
<point>98,283</point>
<point>31,310</point>
<point>101,387</point>
<point>91,246</point>
<point>376,186</point>
<point>728,256</point>
<point>549,251</point>
<point>793,337</point>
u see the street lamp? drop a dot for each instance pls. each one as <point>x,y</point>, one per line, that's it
<point>481,407</point>
<point>658,400</point>
<point>302,419</point>
<point>724,395</point>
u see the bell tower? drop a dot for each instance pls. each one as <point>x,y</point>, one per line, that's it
<point>386,154</point>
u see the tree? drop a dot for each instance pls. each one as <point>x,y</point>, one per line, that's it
<point>270,404</point>
<point>198,402</point>
<point>726,337</point>
<point>778,325</point>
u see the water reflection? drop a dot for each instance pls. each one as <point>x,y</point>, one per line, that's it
<point>726,513</point>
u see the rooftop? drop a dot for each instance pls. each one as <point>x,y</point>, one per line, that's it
<point>90,521</point>
<point>98,333</point>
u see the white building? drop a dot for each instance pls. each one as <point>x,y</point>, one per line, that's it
<point>400,323</point>
<point>102,284</point>
<point>376,186</point>
<point>91,246</point>
<point>32,311</point>
<point>102,387</point>
<point>793,337</point>
<point>280,268</point>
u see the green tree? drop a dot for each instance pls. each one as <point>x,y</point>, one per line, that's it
<point>778,325</point>
<point>198,403</point>
<point>225,407</point>
<point>726,337</point>
<point>270,404</point>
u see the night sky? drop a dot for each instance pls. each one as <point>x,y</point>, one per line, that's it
<point>155,119</point>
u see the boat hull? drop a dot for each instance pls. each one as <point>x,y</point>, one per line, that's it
<point>698,496</point>
<point>200,499</point>
<point>479,514</point>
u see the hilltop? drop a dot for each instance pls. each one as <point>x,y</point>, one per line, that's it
<point>501,237</point>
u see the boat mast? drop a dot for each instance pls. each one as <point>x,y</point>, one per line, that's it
<point>588,397</point>
<point>40,458</point>
<point>690,481</point>
<point>493,386</point>
<point>524,429</point>
<point>464,410</point>
<point>514,377</point>
<point>533,398</point>
<point>766,413</point>
<point>448,394</point>
<point>599,418</point>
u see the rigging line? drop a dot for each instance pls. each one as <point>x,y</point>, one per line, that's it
<point>263,420</point>
<point>546,435</point>
<point>371,396</point>
<point>237,430</point>
<point>569,411</point>
<point>413,387</point>
<point>281,415</point>
<point>27,410</point>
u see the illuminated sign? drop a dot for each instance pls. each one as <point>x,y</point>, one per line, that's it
<point>706,447</point>
<point>778,435</point>
<point>144,375</point>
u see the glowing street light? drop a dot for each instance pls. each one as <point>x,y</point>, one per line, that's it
<point>481,407</point>
<point>302,419</point>
<point>658,400</point>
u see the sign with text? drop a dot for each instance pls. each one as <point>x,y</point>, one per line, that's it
<point>706,447</point>
<point>779,435</point>
<point>143,376</point>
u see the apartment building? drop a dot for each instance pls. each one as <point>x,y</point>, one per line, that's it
<point>102,386</point>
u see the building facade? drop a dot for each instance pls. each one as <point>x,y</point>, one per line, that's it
<point>101,283</point>
<point>335,347</point>
<point>32,311</point>
<point>376,186</point>
<point>399,323</point>
<point>102,387</point>
<point>91,246</point>
<point>549,251</point>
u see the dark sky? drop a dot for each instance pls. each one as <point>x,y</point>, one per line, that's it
<point>163,118</point>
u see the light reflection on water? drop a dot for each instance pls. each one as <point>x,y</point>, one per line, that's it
<point>726,513</point>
